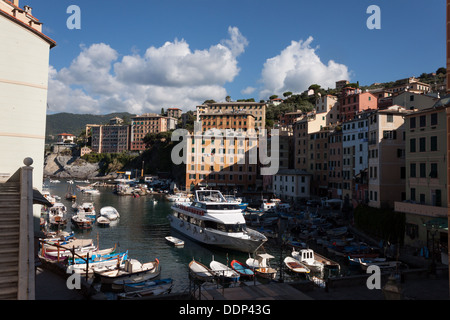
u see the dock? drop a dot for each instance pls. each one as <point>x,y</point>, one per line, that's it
<point>271,291</point>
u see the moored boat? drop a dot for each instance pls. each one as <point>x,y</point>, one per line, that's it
<point>211,220</point>
<point>260,265</point>
<point>199,271</point>
<point>295,265</point>
<point>110,213</point>
<point>243,270</point>
<point>130,269</point>
<point>150,289</point>
<point>175,241</point>
<point>224,272</point>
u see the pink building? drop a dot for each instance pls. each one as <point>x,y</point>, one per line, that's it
<point>353,101</point>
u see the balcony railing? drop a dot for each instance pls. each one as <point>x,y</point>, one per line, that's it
<point>420,209</point>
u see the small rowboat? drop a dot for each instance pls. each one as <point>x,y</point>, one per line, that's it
<point>295,266</point>
<point>242,269</point>
<point>224,272</point>
<point>175,241</point>
<point>200,271</point>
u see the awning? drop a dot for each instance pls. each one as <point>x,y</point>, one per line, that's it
<point>38,198</point>
<point>437,223</point>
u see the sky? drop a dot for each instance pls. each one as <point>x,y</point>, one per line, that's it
<point>144,55</point>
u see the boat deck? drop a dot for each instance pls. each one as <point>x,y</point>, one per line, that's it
<point>249,291</point>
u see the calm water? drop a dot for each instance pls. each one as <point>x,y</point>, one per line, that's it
<point>141,229</point>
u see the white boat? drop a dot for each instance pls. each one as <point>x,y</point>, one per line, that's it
<point>312,260</point>
<point>56,216</point>
<point>107,263</point>
<point>200,272</point>
<point>179,197</point>
<point>175,241</point>
<point>87,209</point>
<point>224,272</point>
<point>211,220</point>
<point>260,265</point>
<point>109,212</point>
<point>103,221</point>
<point>130,269</point>
<point>90,191</point>
<point>295,265</point>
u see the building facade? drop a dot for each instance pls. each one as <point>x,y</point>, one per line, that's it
<point>386,164</point>
<point>352,101</point>
<point>258,110</point>
<point>144,124</point>
<point>291,184</point>
<point>110,138</point>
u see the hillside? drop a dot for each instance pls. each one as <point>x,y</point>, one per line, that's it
<point>76,123</point>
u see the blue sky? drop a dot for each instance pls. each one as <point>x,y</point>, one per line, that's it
<point>146,55</point>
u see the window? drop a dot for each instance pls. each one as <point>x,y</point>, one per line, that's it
<point>434,119</point>
<point>433,143</point>
<point>390,118</point>
<point>412,145</point>
<point>412,122</point>
<point>422,145</point>
<point>412,170</point>
<point>434,170</point>
<point>413,194</point>
<point>422,121</point>
<point>422,170</point>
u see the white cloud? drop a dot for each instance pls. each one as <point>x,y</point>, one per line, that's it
<point>248,90</point>
<point>296,68</point>
<point>171,75</point>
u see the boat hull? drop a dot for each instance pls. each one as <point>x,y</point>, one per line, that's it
<point>216,238</point>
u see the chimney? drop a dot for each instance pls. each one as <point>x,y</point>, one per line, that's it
<point>27,9</point>
<point>16,3</point>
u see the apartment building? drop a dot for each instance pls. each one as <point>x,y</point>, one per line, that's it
<point>335,162</point>
<point>318,161</point>
<point>144,124</point>
<point>386,150</point>
<point>308,124</point>
<point>221,161</point>
<point>352,101</point>
<point>174,113</point>
<point>409,84</point>
<point>110,138</point>
<point>291,184</point>
<point>354,150</point>
<point>239,120</point>
<point>426,171</point>
<point>258,110</point>
<point>327,108</point>
<point>412,100</point>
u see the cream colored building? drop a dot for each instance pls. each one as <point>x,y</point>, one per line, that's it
<point>258,110</point>
<point>24,65</point>
<point>386,164</point>
<point>426,173</point>
<point>327,108</point>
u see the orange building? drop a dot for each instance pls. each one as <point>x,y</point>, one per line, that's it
<point>352,101</point>
<point>144,124</point>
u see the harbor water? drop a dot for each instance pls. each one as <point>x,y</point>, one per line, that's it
<point>142,228</point>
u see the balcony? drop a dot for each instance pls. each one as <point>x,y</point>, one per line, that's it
<point>420,209</point>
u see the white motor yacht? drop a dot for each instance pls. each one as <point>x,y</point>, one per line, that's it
<point>212,220</point>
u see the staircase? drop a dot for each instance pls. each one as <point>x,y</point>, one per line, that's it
<point>9,239</point>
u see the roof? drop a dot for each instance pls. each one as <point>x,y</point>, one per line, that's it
<point>9,16</point>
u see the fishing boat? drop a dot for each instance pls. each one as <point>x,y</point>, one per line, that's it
<point>136,286</point>
<point>336,232</point>
<point>107,262</point>
<point>130,269</point>
<point>382,263</point>
<point>80,221</point>
<point>56,217</point>
<point>260,265</point>
<point>175,241</point>
<point>199,271</point>
<point>153,288</point>
<point>212,220</point>
<point>88,209</point>
<point>314,261</point>
<point>242,269</point>
<point>223,272</point>
<point>110,213</point>
<point>295,265</point>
